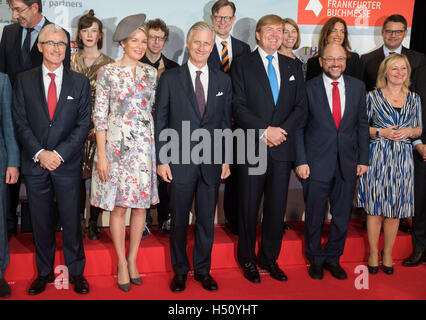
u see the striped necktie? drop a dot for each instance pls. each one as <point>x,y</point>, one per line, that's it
<point>225,57</point>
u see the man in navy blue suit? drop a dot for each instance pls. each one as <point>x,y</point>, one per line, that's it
<point>331,151</point>
<point>226,49</point>
<point>51,112</point>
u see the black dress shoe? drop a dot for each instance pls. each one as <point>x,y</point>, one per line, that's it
<point>232,227</point>
<point>404,226</point>
<point>251,273</point>
<point>178,283</point>
<point>207,281</point>
<point>415,259</point>
<point>39,284</point>
<point>93,231</point>
<point>336,270</point>
<point>5,290</point>
<point>286,226</point>
<point>11,233</point>
<point>275,272</point>
<point>81,285</point>
<point>316,271</point>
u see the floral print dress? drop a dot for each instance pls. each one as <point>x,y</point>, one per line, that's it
<point>123,108</point>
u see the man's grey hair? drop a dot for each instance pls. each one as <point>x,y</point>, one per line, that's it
<point>51,27</point>
<point>201,26</point>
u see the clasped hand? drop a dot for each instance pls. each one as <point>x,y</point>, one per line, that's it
<point>49,160</point>
<point>275,136</point>
<point>391,133</point>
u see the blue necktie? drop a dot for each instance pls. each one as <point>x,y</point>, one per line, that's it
<point>273,80</point>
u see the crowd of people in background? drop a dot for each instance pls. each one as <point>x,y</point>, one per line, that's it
<point>82,125</point>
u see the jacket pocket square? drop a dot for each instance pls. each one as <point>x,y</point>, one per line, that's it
<point>70,98</point>
<point>220,93</point>
<point>291,78</point>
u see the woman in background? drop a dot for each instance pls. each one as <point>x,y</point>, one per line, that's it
<point>87,61</point>
<point>335,31</point>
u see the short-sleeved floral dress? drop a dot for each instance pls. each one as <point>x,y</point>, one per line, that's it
<point>123,108</point>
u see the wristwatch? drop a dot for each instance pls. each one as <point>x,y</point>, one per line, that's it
<point>378,132</point>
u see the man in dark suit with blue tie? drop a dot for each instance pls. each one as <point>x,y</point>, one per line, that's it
<point>51,113</point>
<point>226,49</point>
<point>192,99</point>
<point>331,151</point>
<point>268,94</point>
<point>18,53</point>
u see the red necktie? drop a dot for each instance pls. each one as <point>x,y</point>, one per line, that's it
<point>52,98</point>
<point>337,113</point>
<point>199,93</point>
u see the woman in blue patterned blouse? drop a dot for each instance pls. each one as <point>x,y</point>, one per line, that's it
<point>386,191</point>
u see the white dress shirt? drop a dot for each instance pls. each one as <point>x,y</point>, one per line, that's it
<point>265,61</point>
<point>46,81</point>
<point>228,47</point>
<point>204,77</point>
<point>329,91</point>
<point>386,51</point>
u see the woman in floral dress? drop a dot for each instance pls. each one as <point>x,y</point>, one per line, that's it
<point>87,60</point>
<point>125,159</point>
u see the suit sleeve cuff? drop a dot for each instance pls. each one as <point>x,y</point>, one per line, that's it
<point>416,142</point>
<point>35,158</point>
<point>58,155</point>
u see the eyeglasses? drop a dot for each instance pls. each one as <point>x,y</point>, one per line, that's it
<point>60,44</point>
<point>155,38</point>
<point>331,59</point>
<point>220,18</point>
<point>18,10</point>
<point>394,32</point>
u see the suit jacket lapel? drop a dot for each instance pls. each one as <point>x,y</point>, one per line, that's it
<point>186,83</point>
<point>42,96</point>
<point>326,105</point>
<point>65,91</point>
<point>261,75</point>
<point>348,94</point>
<point>285,76</point>
<point>211,94</point>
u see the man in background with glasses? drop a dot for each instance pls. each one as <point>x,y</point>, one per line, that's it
<point>158,34</point>
<point>225,50</point>
<point>18,53</point>
<point>51,114</point>
<point>394,31</point>
<point>331,151</point>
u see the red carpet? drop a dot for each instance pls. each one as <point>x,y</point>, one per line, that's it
<point>154,264</point>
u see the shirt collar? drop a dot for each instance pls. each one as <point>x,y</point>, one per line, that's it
<point>219,40</point>
<point>328,80</point>
<point>193,69</point>
<point>263,54</point>
<point>58,72</point>
<point>386,51</point>
<point>40,25</point>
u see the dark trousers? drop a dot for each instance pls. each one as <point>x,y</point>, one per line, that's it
<point>181,196</point>
<point>163,208</point>
<point>41,192</point>
<point>4,244</point>
<point>12,204</point>
<point>317,194</point>
<point>274,185</point>
<point>230,198</point>
<point>419,219</point>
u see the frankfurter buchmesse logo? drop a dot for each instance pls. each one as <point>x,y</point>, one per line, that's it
<point>315,6</point>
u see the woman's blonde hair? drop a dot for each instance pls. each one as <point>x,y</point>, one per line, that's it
<point>386,64</point>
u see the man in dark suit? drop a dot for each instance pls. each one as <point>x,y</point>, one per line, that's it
<point>18,52</point>
<point>9,173</point>
<point>419,219</point>
<point>394,31</point>
<point>51,112</point>
<point>268,94</point>
<point>158,34</point>
<point>226,49</point>
<point>331,151</point>
<point>191,99</point>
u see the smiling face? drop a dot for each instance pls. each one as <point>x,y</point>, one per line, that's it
<point>289,36</point>
<point>221,26</point>
<point>393,33</point>
<point>270,37</point>
<point>200,45</point>
<point>397,72</point>
<point>337,34</point>
<point>53,55</point>
<point>90,36</point>
<point>156,41</point>
<point>27,16</point>
<point>333,61</point>
<point>134,46</point>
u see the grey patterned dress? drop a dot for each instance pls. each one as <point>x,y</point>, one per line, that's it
<point>123,108</point>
